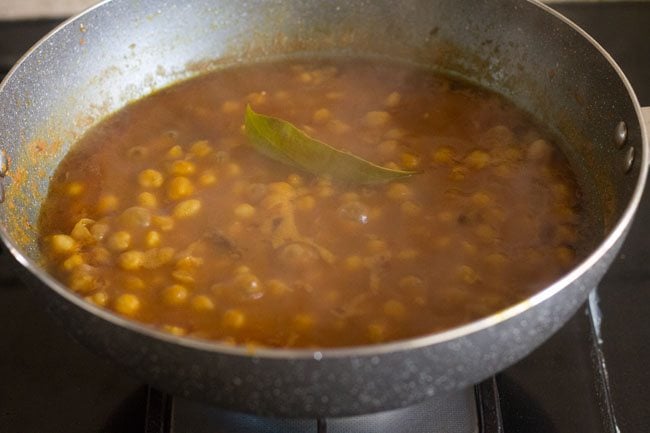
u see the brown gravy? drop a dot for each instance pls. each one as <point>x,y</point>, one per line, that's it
<point>165,214</point>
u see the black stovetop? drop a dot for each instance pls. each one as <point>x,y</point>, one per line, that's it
<point>48,383</point>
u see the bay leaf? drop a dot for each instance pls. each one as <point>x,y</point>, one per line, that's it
<point>285,143</point>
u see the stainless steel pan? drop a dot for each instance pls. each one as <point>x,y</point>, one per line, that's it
<point>123,49</point>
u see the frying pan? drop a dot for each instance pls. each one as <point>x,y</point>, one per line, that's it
<point>121,50</point>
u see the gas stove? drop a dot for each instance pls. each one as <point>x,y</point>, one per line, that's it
<point>591,376</point>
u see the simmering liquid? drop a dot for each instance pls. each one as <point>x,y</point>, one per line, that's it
<point>164,212</point>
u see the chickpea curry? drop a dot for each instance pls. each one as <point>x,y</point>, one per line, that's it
<point>166,214</point>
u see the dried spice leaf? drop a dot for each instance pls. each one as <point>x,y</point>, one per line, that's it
<point>283,142</point>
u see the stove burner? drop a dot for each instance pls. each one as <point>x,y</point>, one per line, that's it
<point>472,411</point>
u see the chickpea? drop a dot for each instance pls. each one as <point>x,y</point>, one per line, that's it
<point>338,127</point>
<point>469,249</point>
<point>233,169</point>
<point>306,203</point>
<point>188,263</point>
<point>234,318</point>
<point>332,297</point>
<point>295,180</point>
<point>231,106</point>
<point>164,223</point>
<point>334,96</point>
<point>202,303</point>
<point>539,150</point>
<point>353,263</point>
<point>235,229</point>
<point>496,260</point>
<point>182,168</point>
<point>353,211</point>
<point>72,262</point>
<point>127,304</point>
<point>133,283</point>
<point>175,330</point>
<point>481,199</point>
<point>349,197</point>
<point>395,134</point>
<point>326,191</point>
<point>249,284</point>
<point>321,115</point>
<point>458,174</point>
<point>394,309</point>
<point>119,241</point>
<point>398,191</point>
<point>152,239</point>
<point>408,254</point>
<point>303,321</point>
<point>175,152</point>
<point>100,299</point>
<point>136,217</point>
<point>305,77</point>
<point>282,188</point>
<point>179,187</point>
<point>504,171</point>
<point>375,119</point>
<point>443,155</point>
<point>411,282</point>
<point>187,209</point>
<point>277,287</point>
<point>175,295</point>
<point>393,99</point>
<point>107,203</point>
<point>150,178</point>
<point>242,270</point>
<point>392,165</point>
<point>63,244</point>
<point>497,136</point>
<point>467,274</point>
<point>184,276</point>
<point>485,232</point>
<point>377,332</point>
<point>100,256</point>
<point>201,148</point>
<point>477,159</point>
<point>148,200</point>
<point>82,282</point>
<point>81,233</point>
<point>157,257</point>
<point>131,260</point>
<point>207,178</point>
<point>75,189</point>
<point>409,161</point>
<point>387,148</point>
<point>99,231</point>
<point>244,211</point>
<point>257,98</point>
